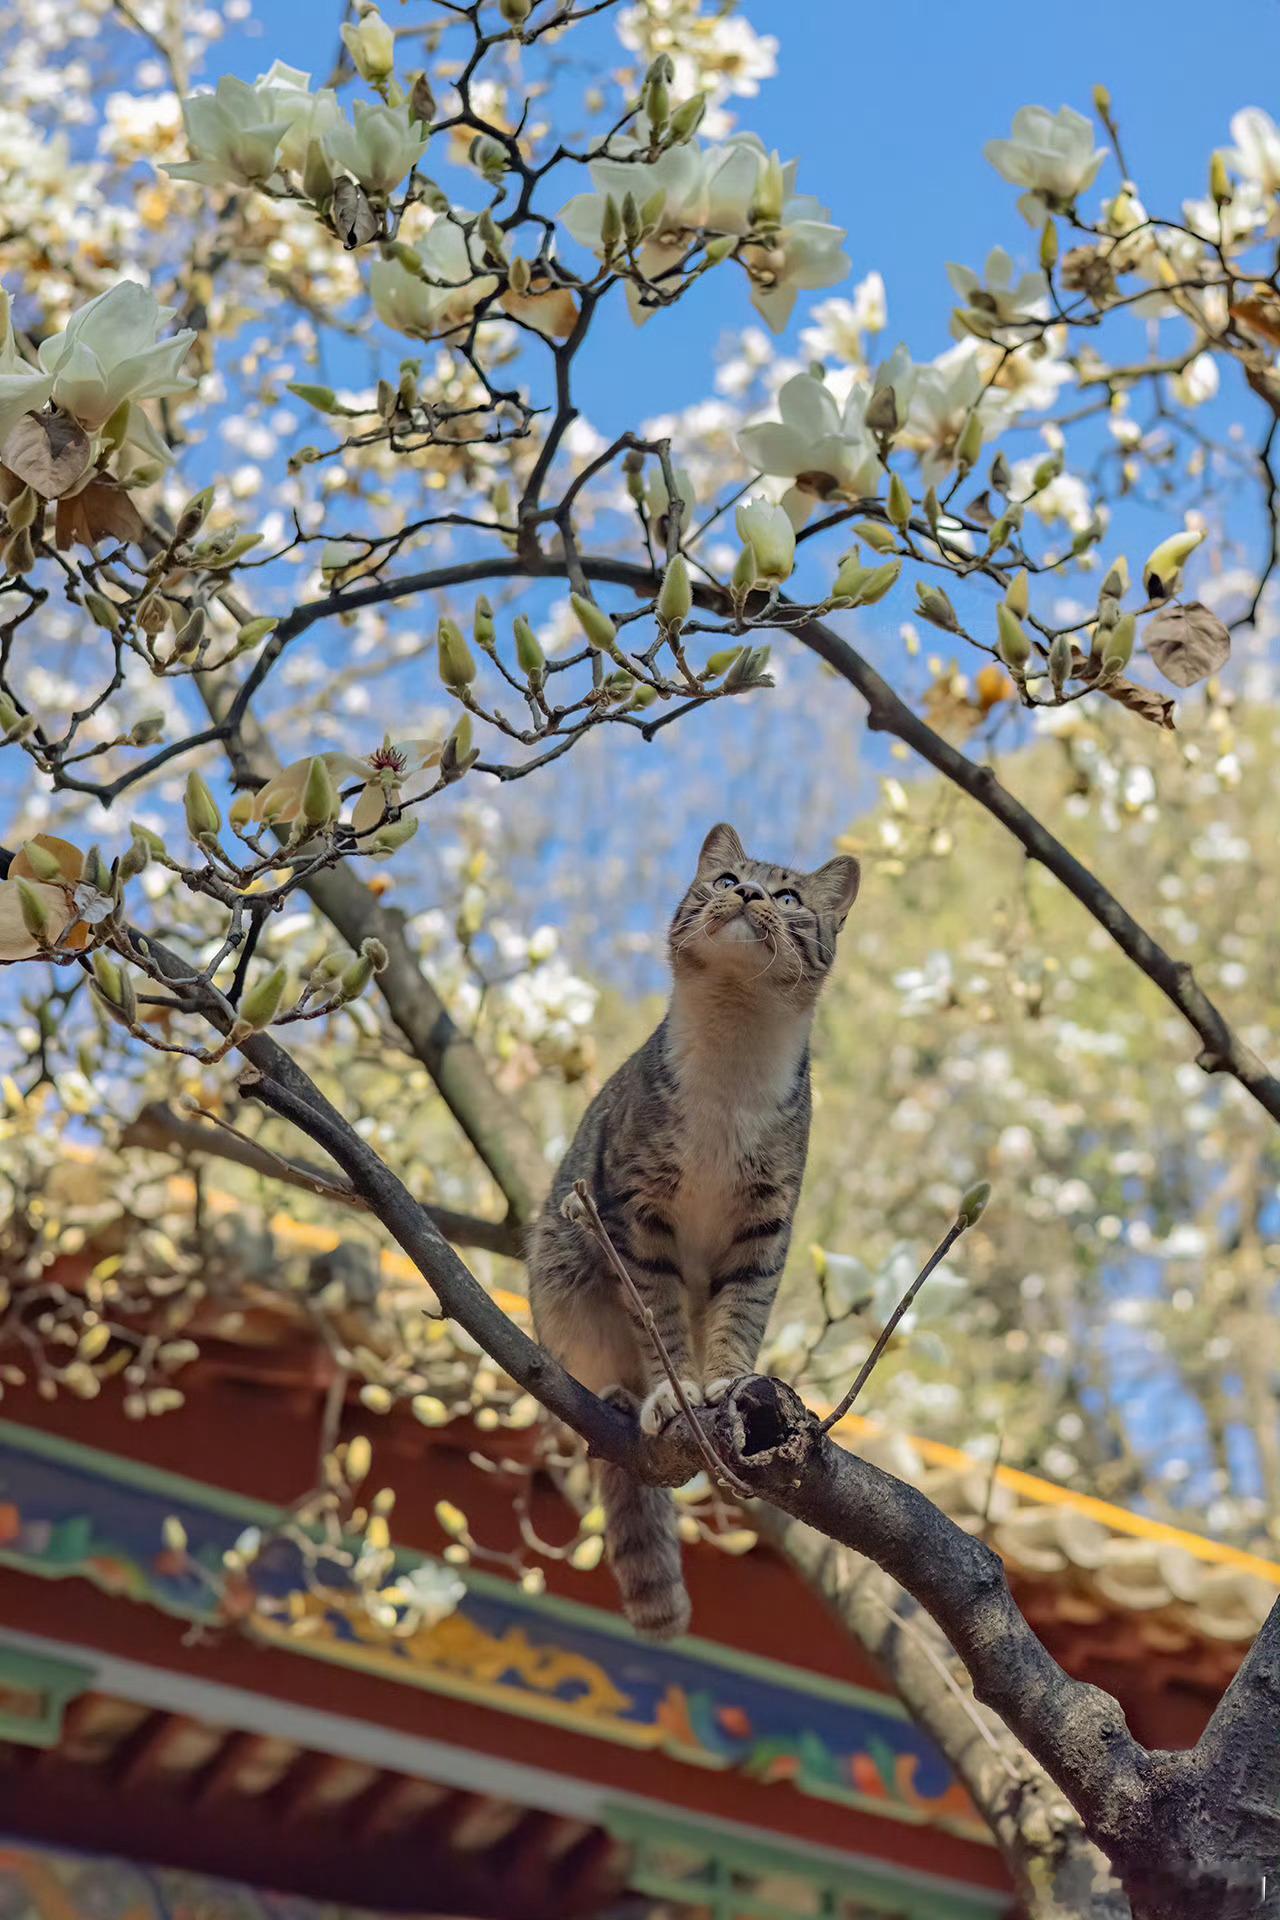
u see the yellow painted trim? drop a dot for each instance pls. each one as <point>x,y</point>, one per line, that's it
<point>854,1426</point>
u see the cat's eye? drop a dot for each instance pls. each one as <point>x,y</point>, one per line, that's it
<point>723,880</point>
<point>786,898</point>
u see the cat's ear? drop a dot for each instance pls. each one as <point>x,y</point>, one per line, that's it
<point>834,888</point>
<point>721,848</point>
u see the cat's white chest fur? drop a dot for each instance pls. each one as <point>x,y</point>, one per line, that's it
<point>731,1082</point>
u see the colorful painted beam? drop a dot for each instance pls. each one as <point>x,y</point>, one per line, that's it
<point>68,1512</point>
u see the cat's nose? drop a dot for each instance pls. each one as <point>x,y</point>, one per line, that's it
<point>748,890</point>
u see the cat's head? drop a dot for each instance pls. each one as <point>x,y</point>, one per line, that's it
<point>748,922</point>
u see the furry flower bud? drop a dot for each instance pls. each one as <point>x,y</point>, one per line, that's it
<point>973,1204</point>
<point>203,816</point>
<point>483,631</point>
<point>881,539</point>
<point>43,864</point>
<point>1060,661</point>
<point>1117,646</point>
<point>935,607</point>
<point>262,1002</point>
<point>1013,646</point>
<point>675,600</point>
<point>532,661</point>
<point>766,529</point>
<point>35,913</point>
<point>394,835</point>
<point>899,502</point>
<point>457,665</point>
<point>1018,594</point>
<point>321,801</point>
<point>595,623</point>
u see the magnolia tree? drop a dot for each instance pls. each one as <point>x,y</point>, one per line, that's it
<point>243,644</point>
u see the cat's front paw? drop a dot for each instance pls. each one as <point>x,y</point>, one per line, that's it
<point>717,1390</point>
<point>661,1405</point>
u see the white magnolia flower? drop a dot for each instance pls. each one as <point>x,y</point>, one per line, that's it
<point>947,391</point>
<point>1065,498</point>
<point>1257,147</point>
<point>234,133</point>
<point>381,147</point>
<point>768,531</point>
<point>382,774</point>
<point>995,299</point>
<point>311,117</point>
<point>110,353</point>
<point>839,324</point>
<point>447,295</point>
<point>1248,210</point>
<point>23,388</point>
<point>1197,382</point>
<point>1051,154</point>
<point>719,190</point>
<point>816,438</point>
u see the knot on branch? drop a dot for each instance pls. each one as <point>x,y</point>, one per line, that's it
<point>765,1431</point>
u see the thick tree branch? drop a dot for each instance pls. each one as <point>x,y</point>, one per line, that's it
<point>1059,1873</point>
<point>1221,1048</point>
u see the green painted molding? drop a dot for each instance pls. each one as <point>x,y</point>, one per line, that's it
<point>35,1691</point>
<point>726,1853</point>
<point>251,1512</point>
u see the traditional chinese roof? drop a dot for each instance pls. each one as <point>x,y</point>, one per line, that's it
<point>1086,1560</point>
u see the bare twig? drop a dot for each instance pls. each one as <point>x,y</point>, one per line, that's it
<point>868,1366</point>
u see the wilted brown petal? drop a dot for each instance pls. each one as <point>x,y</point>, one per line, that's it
<point>354,220</point>
<point>1188,643</point>
<point>98,511</point>
<point>50,451</point>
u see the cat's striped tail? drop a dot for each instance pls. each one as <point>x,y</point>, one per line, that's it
<point>644,1551</point>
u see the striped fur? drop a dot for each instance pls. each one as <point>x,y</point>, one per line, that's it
<point>694,1152</point>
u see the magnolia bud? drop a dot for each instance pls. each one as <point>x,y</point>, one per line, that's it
<point>457,665</point>
<point>101,610</point>
<point>936,608</point>
<point>720,247</point>
<point>134,858</point>
<point>194,515</point>
<point>1049,246</point>
<point>9,715</point>
<point>1013,646</point>
<point>520,276</point>
<point>458,754</point>
<point>43,864</point>
<point>356,977</point>
<point>515,12</point>
<point>1219,186</point>
<point>969,445</point>
<point>492,239</point>
<point>35,913</point>
<point>610,227</point>
<point>203,817</point>
<point>686,119</point>
<point>1060,661</point>
<point>115,986</point>
<point>323,399</point>
<point>372,46</point>
<point>1018,594</point>
<point>395,834</point>
<point>595,623</point>
<point>255,630</point>
<point>532,660</point>
<point>883,539</point>
<point>720,662</point>
<point>745,573</point>
<point>1117,645</point>
<point>190,633</point>
<point>675,600</point>
<point>899,502</point>
<point>321,801</point>
<point>483,630</point>
<point>147,730</point>
<point>882,412</point>
<point>22,509</point>
<point>422,102</point>
<point>1164,564</point>
<point>657,106</point>
<point>262,1002</point>
<point>973,1204</point>
<point>630,220</point>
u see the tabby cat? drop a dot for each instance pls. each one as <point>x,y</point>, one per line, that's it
<point>694,1153</point>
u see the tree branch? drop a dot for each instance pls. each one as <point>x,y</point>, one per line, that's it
<point>158,1129</point>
